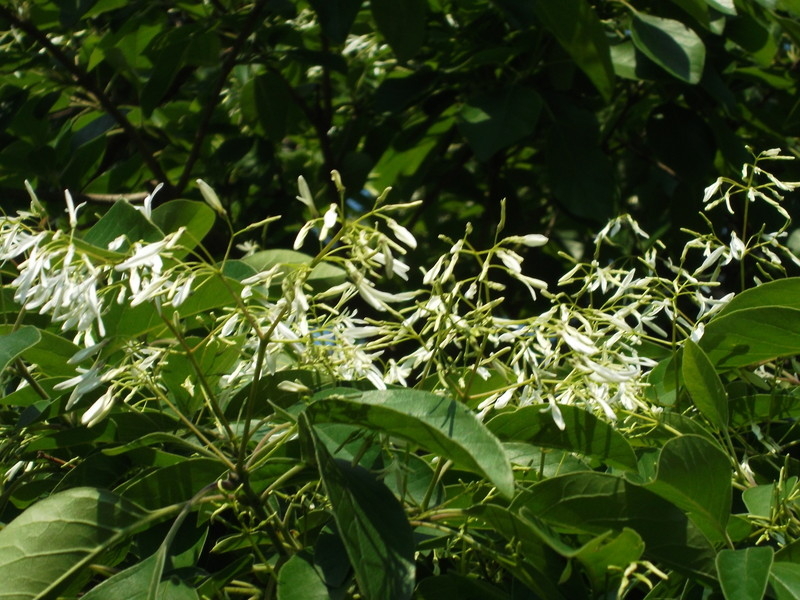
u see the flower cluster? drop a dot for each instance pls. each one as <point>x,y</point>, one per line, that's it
<point>338,312</point>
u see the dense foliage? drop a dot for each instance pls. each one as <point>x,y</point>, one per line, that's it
<point>574,110</point>
<point>280,425</point>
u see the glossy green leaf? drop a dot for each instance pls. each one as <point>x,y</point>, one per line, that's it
<point>299,580</point>
<point>752,335</point>
<point>583,433</point>
<point>372,525</point>
<point>442,426</point>
<point>784,580</point>
<point>492,121</point>
<point>576,26</point>
<point>695,475</point>
<point>48,545</point>
<point>402,24</point>
<point>671,45</point>
<point>14,343</point>
<point>596,502</point>
<point>196,217</point>
<point>781,292</point>
<point>743,573</point>
<point>704,385</point>
<point>122,219</point>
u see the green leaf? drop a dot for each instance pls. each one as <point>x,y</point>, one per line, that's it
<point>581,175</point>
<point>452,585</point>
<point>50,353</point>
<point>492,121</point>
<point>605,557</point>
<point>575,25</point>
<point>695,475</point>
<point>671,45</point>
<point>15,343</point>
<point>596,502</point>
<point>197,217</point>
<point>704,385</point>
<point>743,573</point>
<point>752,335</point>
<point>322,277</point>
<point>336,17</point>
<point>122,219</point>
<point>402,24</point>
<point>540,564</point>
<point>48,545</point>
<point>781,292</point>
<point>371,523</point>
<point>583,434</point>
<point>440,425</point>
<point>784,579</point>
<point>174,483</point>
<point>299,580</point>
<point>139,582</point>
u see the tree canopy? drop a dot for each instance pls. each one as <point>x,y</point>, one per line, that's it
<point>574,110</point>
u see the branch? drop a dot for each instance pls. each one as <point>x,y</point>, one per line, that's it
<point>208,111</point>
<point>83,79</point>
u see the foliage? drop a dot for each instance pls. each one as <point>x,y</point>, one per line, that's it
<point>574,110</point>
<point>280,425</point>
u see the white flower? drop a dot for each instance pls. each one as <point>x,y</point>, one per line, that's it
<point>511,260</point>
<point>532,240</point>
<point>401,233</point>
<point>210,196</point>
<point>711,190</point>
<point>99,409</point>
<point>737,247</point>
<point>305,195</point>
<point>329,220</point>
<point>72,210</point>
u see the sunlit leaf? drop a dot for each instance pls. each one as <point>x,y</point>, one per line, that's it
<point>440,425</point>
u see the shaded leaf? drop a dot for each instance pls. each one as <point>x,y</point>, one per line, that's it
<point>492,121</point>
<point>743,573</point>
<point>596,502</point>
<point>402,24</point>
<point>671,45</point>
<point>336,17</point>
<point>299,580</point>
<point>442,426</point>
<point>372,524</point>
<point>695,475</point>
<point>583,434</point>
<point>575,25</point>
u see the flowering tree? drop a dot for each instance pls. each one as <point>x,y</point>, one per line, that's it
<point>284,423</point>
